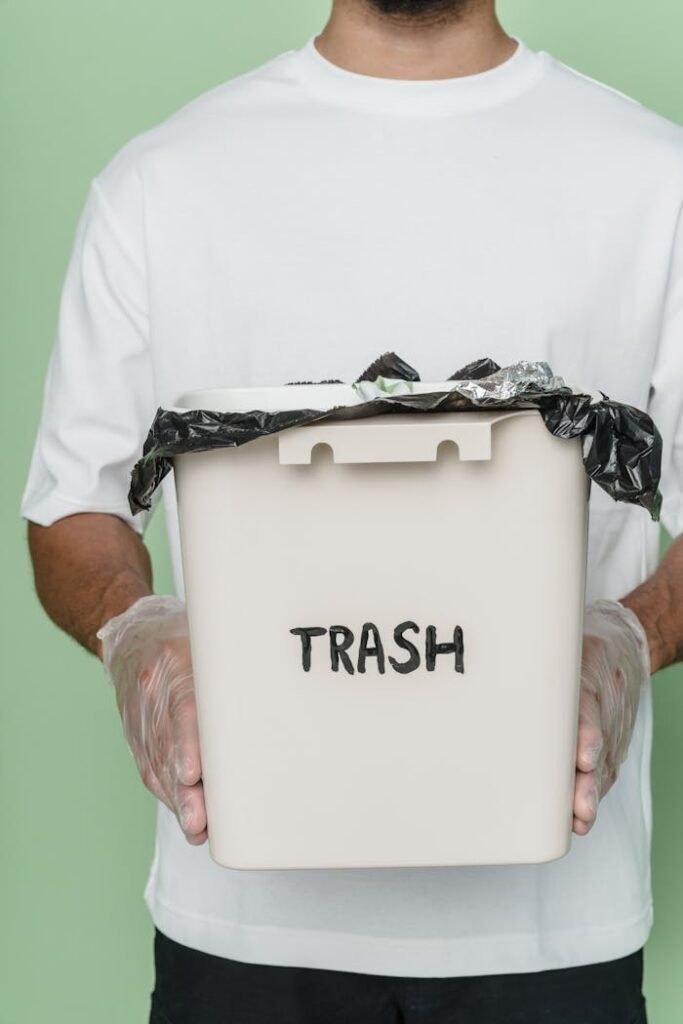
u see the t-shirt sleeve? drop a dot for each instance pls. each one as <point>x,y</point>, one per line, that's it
<point>98,396</point>
<point>666,401</point>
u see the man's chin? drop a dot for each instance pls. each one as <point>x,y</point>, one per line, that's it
<point>420,10</point>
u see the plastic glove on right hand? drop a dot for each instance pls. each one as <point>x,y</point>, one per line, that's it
<point>146,655</point>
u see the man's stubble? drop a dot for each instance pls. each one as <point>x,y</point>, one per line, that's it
<point>421,11</point>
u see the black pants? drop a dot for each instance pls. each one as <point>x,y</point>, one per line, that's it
<point>194,988</point>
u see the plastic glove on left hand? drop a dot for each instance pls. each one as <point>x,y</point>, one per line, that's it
<point>615,665</point>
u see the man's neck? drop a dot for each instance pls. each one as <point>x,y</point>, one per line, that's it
<point>358,39</point>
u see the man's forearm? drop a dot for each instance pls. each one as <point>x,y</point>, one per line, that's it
<point>87,568</point>
<point>658,603</point>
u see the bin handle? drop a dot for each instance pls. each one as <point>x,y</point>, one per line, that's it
<point>390,438</point>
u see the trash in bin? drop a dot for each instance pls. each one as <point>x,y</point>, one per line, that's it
<point>621,445</point>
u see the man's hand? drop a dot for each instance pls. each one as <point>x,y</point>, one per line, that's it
<point>615,665</point>
<point>146,654</point>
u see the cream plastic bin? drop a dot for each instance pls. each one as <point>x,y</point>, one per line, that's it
<point>447,549</point>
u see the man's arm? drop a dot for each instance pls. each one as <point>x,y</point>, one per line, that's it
<point>91,568</point>
<point>615,666</point>
<point>87,568</point>
<point>658,603</point>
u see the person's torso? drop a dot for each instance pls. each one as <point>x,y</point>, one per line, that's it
<point>290,236</point>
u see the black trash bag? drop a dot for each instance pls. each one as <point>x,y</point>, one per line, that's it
<point>476,370</point>
<point>622,448</point>
<point>389,365</point>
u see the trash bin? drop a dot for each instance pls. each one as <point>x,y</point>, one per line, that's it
<point>386,625</point>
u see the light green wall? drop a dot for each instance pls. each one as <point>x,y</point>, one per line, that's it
<point>80,77</point>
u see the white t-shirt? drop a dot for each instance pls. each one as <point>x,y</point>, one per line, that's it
<point>292,224</point>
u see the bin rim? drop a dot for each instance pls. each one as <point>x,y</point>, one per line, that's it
<point>288,397</point>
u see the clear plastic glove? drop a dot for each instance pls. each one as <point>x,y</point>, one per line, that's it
<point>616,664</point>
<point>146,655</point>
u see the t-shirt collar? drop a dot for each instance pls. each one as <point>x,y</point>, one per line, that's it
<point>330,82</point>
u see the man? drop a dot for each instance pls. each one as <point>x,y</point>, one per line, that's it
<point>414,179</point>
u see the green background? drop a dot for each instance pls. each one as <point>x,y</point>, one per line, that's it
<point>79,78</point>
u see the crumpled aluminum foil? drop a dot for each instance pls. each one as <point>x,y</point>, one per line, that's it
<point>511,384</point>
